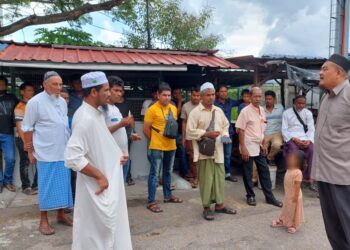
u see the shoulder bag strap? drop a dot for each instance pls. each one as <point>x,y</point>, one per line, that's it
<point>300,120</point>
<point>212,122</point>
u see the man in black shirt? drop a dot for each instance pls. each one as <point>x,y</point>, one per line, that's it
<point>124,108</point>
<point>180,149</point>
<point>8,103</point>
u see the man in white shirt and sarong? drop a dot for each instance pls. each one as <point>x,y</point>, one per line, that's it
<point>100,212</point>
<point>298,132</point>
<point>46,132</point>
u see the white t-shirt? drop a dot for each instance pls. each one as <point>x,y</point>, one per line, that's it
<point>112,117</point>
<point>145,106</point>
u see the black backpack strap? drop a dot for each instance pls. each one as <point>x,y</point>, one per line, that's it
<point>300,120</point>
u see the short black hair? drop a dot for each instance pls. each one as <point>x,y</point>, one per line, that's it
<point>115,81</point>
<point>24,85</point>
<point>195,89</point>
<point>163,87</point>
<point>245,92</point>
<point>3,78</point>
<point>300,155</point>
<point>270,93</point>
<point>87,91</point>
<point>75,77</point>
<point>64,90</point>
<point>154,90</point>
<point>298,97</point>
<point>221,86</point>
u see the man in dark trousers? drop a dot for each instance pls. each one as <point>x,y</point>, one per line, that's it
<point>124,107</point>
<point>8,103</point>
<point>331,151</point>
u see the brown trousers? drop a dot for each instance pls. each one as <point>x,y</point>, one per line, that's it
<point>193,165</point>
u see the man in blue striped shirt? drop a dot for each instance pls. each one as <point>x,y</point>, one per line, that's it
<point>273,129</point>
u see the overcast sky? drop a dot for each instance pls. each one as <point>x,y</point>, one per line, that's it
<point>247,27</point>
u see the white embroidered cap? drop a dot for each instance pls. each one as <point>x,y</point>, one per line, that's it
<point>93,79</point>
<point>207,85</point>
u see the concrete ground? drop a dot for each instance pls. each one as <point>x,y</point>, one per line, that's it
<point>180,226</point>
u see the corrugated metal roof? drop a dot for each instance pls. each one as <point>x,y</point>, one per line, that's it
<point>46,53</point>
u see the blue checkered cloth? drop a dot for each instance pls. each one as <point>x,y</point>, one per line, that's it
<point>54,186</point>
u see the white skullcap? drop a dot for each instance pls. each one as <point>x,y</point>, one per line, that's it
<point>207,85</point>
<point>93,79</point>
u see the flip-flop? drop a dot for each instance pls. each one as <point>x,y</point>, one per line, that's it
<point>46,230</point>
<point>226,210</point>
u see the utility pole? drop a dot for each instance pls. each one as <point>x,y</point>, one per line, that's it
<point>148,28</point>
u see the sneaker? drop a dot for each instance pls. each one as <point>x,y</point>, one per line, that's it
<point>27,191</point>
<point>231,178</point>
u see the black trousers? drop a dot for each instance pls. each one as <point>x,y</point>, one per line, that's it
<point>335,204</point>
<point>24,166</point>
<point>264,176</point>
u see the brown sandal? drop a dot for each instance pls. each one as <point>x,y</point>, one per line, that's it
<point>153,207</point>
<point>173,199</point>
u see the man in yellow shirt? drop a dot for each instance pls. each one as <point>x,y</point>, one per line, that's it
<point>162,148</point>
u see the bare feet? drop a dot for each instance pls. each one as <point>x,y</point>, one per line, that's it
<point>64,220</point>
<point>46,229</point>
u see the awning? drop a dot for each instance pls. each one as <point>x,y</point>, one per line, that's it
<point>34,55</point>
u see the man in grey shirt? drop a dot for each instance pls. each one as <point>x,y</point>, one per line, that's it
<point>332,151</point>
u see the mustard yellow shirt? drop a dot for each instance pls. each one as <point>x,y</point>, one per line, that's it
<point>156,116</point>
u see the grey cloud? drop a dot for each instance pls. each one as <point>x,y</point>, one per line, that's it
<point>300,27</point>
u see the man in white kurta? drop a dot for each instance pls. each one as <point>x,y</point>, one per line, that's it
<point>100,212</point>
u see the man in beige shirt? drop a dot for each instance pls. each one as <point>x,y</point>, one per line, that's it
<point>250,126</point>
<point>211,170</point>
<point>331,156</point>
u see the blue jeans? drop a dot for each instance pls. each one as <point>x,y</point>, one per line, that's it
<point>7,142</point>
<point>183,168</point>
<point>227,158</point>
<point>126,169</point>
<point>159,158</point>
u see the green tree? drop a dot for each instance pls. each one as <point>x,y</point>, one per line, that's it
<point>154,22</point>
<point>23,13</point>
<point>66,36</point>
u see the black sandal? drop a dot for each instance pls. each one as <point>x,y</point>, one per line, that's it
<point>208,214</point>
<point>226,210</point>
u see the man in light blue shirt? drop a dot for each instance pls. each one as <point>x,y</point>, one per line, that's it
<point>273,134</point>
<point>46,132</point>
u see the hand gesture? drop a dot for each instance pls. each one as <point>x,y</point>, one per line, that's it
<point>212,134</point>
<point>31,157</point>
<point>264,150</point>
<point>126,121</point>
<point>124,159</point>
<point>135,137</point>
<point>102,182</point>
